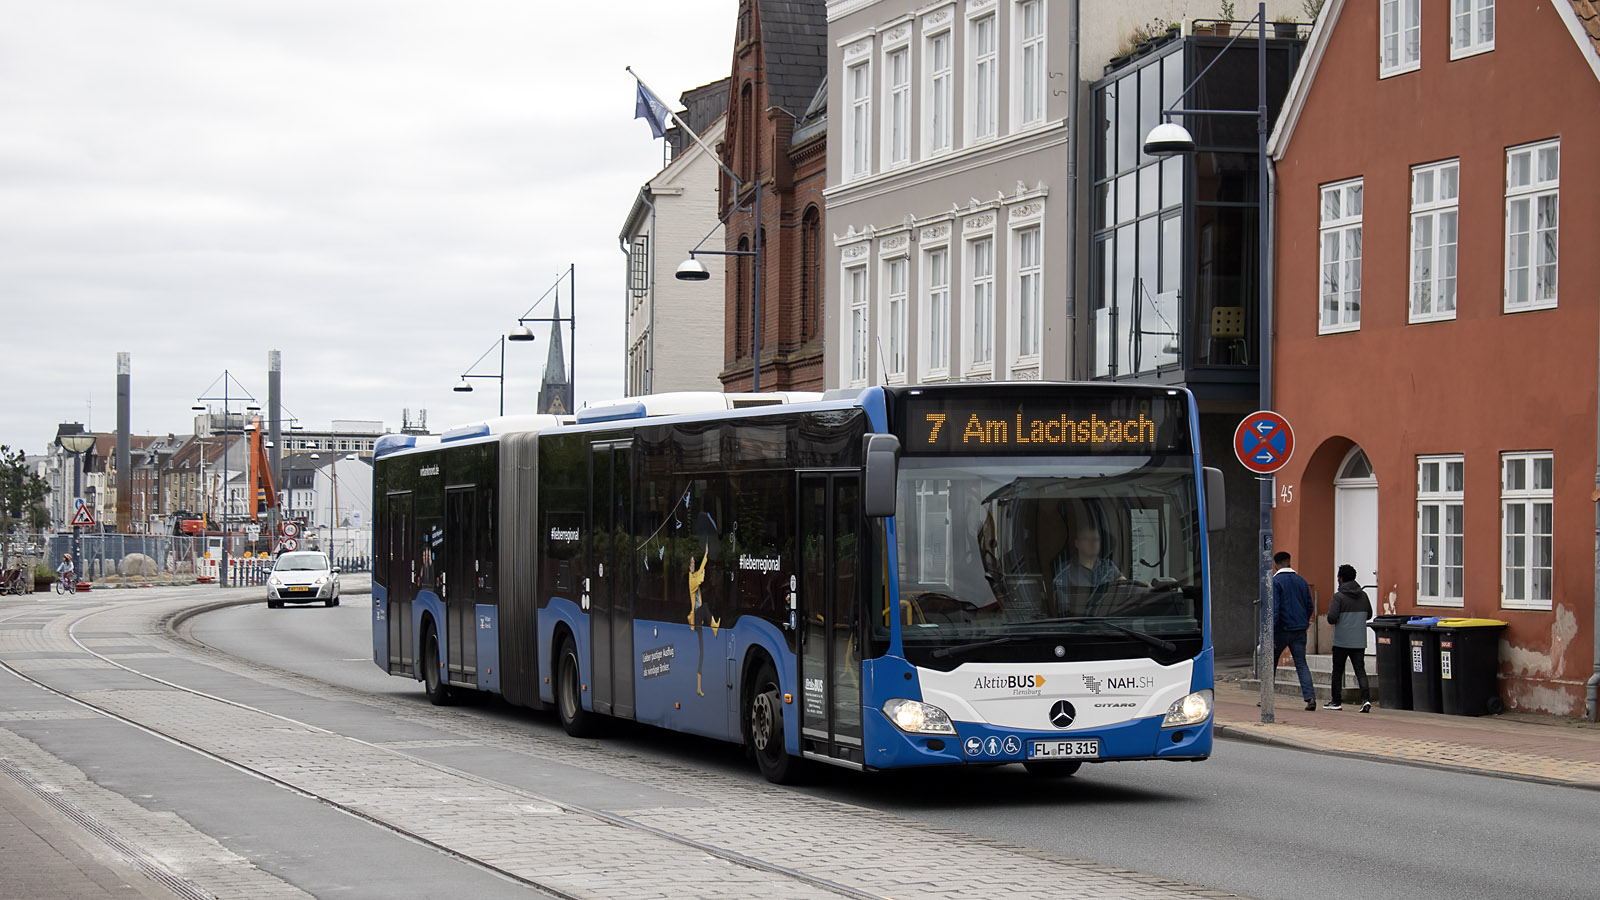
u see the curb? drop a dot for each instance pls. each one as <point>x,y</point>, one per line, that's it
<point>1245,736</point>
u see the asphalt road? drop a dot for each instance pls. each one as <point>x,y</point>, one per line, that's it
<point>1265,822</point>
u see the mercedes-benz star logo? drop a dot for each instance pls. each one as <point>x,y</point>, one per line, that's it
<point>1062,714</point>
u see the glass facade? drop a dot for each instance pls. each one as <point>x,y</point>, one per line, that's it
<point>1174,285</point>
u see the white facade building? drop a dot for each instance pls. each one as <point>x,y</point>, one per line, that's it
<point>950,181</point>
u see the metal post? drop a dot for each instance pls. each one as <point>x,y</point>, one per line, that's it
<point>77,494</point>
<point>1268,667</point>
<point>502,375</point>
<point>572,339</point>
<point>755,346</point>
<point>222,574</point>
<point>1591,688</point>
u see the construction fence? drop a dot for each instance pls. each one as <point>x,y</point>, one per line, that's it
<point>150,559</point>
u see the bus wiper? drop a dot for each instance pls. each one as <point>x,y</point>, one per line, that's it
<point>1150,639</point>
<point>942,652</point>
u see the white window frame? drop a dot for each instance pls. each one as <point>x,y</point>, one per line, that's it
<point>932,499</point>
<point>1435,215</point>
<point>1028,109</point>
<point>892,330</point>
<point>978,303</point>
<point>897,109</point>
<point>858,119</point>
<point>983,81</point>
<point>1530,182</point>
<point>857,288</point>
<point>1340,227</point>
<point>939,130</point>
<point>936,311</point>
<point>1027,295</point>
<point>1471,27</point>
<point>1441,491</point>
<point>1520,502</point>
<point>1399,37</point>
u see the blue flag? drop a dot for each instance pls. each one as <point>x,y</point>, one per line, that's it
<point>650,108</point>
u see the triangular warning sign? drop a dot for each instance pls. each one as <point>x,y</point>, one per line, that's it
<point>82,518</point>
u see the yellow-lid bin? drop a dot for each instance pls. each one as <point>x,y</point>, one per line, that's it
<point>1470,623</point>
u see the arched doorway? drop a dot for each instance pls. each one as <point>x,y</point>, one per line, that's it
<point>1355,523</point>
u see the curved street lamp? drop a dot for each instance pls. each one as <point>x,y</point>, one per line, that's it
<point>76,445</point>
<point>1167,139</point>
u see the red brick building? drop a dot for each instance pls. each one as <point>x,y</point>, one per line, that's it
<point>1437,320</point>
<point>777,138</point>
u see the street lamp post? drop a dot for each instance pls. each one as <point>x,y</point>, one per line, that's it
<point>1169,138</point>
<point>333,497</point>
<point>465,387</point>
<point>692,269</point>
<point>76,445</point>
<point>523,333</point>
<point>227,401</point>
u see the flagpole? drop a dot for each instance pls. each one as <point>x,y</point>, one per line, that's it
<point>738,185</point>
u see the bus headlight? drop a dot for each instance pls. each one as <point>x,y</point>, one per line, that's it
<point>1190,710</point>
<point>913,717</point>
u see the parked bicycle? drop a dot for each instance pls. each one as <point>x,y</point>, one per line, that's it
<point>13,581</point>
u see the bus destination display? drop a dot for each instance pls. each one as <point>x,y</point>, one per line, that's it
<point>1126,424</point>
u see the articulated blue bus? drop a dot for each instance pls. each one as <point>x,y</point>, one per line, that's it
<point>910,576</point>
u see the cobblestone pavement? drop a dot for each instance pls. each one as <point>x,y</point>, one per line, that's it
<point>1535,748</point>
<point>719,838</point>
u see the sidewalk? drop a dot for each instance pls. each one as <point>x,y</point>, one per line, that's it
<point>45,855</point>
<point>1526,746</point>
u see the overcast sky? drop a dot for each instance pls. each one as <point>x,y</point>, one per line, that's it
<point>376,188</point>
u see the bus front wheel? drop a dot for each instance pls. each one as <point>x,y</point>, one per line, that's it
<point>432,681</point>
<point>577,721</point>
<point>765,724</point>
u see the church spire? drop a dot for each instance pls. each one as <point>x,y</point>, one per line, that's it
<point>555,393</point>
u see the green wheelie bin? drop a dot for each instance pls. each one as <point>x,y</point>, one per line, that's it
<point>1469,666</point>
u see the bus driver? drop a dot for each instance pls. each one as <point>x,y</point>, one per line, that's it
<point>1084,568</point>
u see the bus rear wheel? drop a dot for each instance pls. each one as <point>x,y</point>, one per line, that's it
<point>432,681</point>
<point>764,723</point>
<point>577,721</point>
<point>1058,768</point>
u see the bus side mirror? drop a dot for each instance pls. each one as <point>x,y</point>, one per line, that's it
<point>881,476</point>
<point>1216,500</point>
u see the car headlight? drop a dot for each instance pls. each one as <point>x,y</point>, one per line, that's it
<point>1190,710</point>
<point>275,581</point>
<point>321,580</point>
<point>913,717</point>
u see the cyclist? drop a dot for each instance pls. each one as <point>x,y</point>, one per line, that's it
<point>66,581</point>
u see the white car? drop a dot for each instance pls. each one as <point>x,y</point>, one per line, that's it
<point>302,577</point>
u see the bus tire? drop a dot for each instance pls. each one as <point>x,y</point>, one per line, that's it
<point>432,679</point>
<point>764,724</point>
<point>576,720</point>
<point>1057,768</point>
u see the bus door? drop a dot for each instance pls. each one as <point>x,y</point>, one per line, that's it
<point>400,574</point>
<point>459,586</point>
<point>611,591</point>
<point>831,531</point>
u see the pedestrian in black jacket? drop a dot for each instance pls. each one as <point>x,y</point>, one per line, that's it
<point>1348,615</point>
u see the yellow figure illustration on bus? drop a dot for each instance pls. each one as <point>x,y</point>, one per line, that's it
<point>699,616</point>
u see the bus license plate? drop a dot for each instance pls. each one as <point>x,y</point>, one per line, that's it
<point>1086,749</point>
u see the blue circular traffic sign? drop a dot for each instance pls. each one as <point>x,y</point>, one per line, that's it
<point>1263,442</point>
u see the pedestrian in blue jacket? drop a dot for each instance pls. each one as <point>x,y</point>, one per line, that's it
<point>1292,611</point>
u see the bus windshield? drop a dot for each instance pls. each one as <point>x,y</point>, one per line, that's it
<point>1043,559</point>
